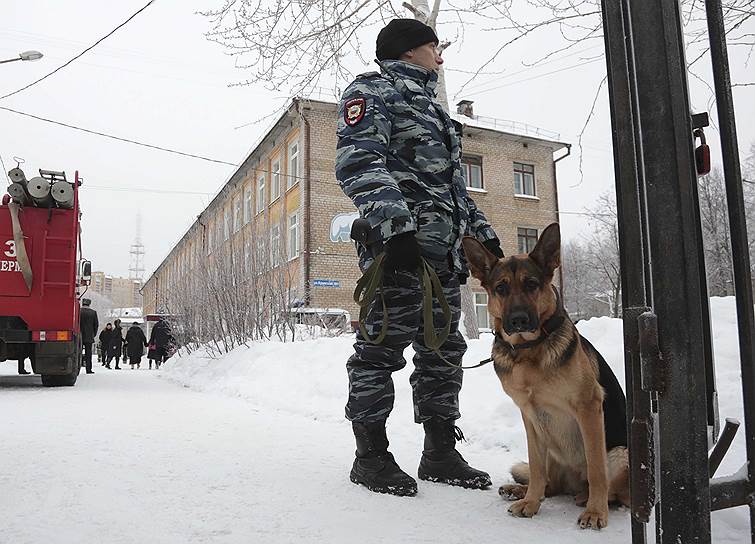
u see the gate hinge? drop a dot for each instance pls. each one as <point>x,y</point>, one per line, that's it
<point>652,365</point>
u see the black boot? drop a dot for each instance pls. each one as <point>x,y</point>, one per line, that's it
<point>374,466</point>
<point>442,463</point>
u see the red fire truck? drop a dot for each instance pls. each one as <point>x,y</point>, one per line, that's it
<point>41,287</point>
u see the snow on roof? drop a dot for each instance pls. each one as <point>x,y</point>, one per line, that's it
<point>511,127</point>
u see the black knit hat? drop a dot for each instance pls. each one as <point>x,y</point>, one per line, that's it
<point>401,35</point>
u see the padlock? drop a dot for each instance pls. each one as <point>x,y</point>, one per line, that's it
<point>702,154</point>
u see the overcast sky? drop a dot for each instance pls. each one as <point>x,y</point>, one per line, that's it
<point>158,80</point>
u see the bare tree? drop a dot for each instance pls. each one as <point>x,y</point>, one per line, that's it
<point>591,266</point>
<point>584,288</point>
<point>293,46</point>
<point>241,291</point>
<point>714,220</point>
<point>592,279</point>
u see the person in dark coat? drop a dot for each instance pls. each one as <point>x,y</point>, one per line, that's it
<point>104,341</point>
<point>22,367</point>
<point>161,342</point>
<point>152,356</point>
<point>115,345</point>
<point>88,324</point>
<point>135,344</point>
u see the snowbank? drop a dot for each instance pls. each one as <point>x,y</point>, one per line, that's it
<point>308,379</point>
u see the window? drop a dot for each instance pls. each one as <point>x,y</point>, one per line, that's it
<point>481,309</point>
<point>293,165</point>
<point>226,223</point>
<point>524,179</point>
<point>526,239</point>
<point>209,238</point>
<point>275,243</point>
<point>275,182</point>
<point>471,167</point>
<point>247,258</point>
<point>293,236</point>
<point>218,233</point>
<point>247,204</point>
<point>261,260</point>
<point>236,214</point>
<point>261,193</point>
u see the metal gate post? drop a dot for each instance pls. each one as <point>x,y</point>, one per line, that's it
<point>739,247</point>
<point>678,288</point>
<point>633,257</point>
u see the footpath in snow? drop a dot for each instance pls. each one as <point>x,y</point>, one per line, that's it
<point>253,447</point>
<point>308,379</point>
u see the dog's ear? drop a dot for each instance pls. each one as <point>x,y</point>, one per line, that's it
<point>547,252</point>
<point>481,261</point>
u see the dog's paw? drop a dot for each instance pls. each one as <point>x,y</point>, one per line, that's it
<point>525,508</point>
<point>593,518</point>
<point>512,492</point>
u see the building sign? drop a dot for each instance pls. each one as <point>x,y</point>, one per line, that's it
<point>340,226</point>
<point>326,283</point>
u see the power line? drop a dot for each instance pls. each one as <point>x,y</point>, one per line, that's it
<point>145,190</point>
<point>482,91</point>
<point>95,44</point>
<point>118,138</point>
<point>534,66</point>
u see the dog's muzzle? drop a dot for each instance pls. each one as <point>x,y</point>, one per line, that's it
<point>520,321</point>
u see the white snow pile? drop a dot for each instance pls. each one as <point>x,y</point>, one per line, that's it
<point>307,380</point>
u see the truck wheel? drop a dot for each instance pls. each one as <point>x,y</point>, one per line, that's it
<point>49,380</point>
<point>57,380</point>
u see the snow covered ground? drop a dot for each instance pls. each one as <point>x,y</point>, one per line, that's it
<point>253,447</point>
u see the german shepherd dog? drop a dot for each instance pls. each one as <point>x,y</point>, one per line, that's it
<point>573,408</point>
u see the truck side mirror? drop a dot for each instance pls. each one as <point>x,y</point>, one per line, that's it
<point>86,272</point>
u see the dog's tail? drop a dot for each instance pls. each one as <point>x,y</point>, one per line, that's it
<point>521,473</point>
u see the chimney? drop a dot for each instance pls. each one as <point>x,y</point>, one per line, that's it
<point>465,108</point>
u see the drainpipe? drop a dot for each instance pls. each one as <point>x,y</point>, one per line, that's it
<point>306,205</point>
<point>555,188</point>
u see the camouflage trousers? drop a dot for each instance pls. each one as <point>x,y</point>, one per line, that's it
<point>435,384</point>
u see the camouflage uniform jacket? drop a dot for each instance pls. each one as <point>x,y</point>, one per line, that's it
<point>399,159</point>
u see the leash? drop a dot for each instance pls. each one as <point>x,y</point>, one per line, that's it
<point>371,283</point>
<point>368,287</point>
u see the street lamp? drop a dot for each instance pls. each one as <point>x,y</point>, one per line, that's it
<point>26,55</point>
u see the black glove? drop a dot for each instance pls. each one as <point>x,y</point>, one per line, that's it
<point>494,246</point>
<point>402,253</point>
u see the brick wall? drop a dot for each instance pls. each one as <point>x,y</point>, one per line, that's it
<point>328,260</point>
<point>336,261</point>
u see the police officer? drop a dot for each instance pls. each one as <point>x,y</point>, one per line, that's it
<point>399,159</point>
<point>88,324</point>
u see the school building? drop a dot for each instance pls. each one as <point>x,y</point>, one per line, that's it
<point>286,190</point>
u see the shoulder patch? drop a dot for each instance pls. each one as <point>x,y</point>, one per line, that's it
<point>354,110</point>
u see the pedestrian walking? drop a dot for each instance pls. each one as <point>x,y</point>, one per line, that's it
<point>115,345</point>
<point>104,342</point>
<point>136,341</point>
<point>88,325</point>
<point>399,159</point>
<point>152,356</point>
<point>162,345</point>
